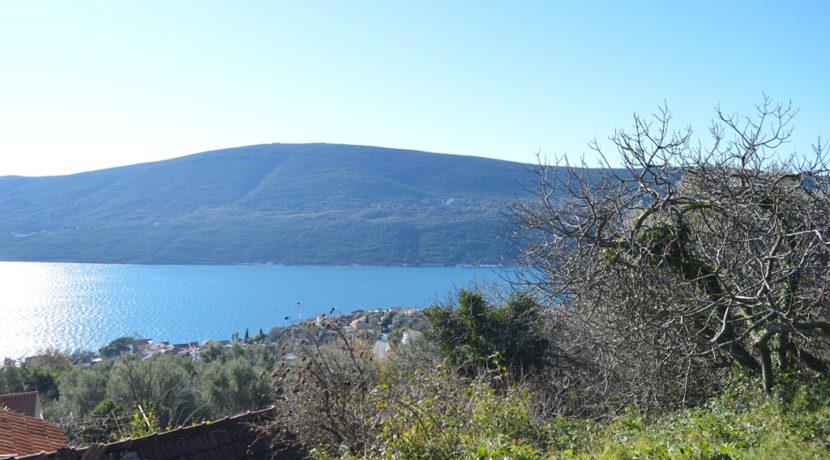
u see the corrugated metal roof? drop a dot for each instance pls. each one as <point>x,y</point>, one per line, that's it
<point>22,435</point>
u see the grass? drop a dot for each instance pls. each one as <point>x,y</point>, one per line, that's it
<point>794,422</point>
<point>743,423</point>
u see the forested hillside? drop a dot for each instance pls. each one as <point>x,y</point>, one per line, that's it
<point>277,203</point>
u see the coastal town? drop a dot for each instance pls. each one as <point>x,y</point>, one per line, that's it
<point>24,434</point>
<point>384,328</point>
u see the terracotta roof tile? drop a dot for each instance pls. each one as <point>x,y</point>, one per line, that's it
<point>24,403</point>
<point>23,435</point>
<point>223,439</point>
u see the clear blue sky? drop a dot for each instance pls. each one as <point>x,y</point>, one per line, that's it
<point>86,85</point>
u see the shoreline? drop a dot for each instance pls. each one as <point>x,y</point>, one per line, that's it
<point>346,319</point>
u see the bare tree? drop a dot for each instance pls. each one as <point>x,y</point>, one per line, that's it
<point>688,258</point>
<point>324,397</point>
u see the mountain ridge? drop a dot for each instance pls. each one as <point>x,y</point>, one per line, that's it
<point>269,203</point>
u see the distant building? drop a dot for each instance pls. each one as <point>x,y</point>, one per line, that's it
<point>142,346</point>
<point>35,360</point>
<point>358,322</point>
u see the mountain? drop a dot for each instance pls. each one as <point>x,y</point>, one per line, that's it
<point>277,203</point>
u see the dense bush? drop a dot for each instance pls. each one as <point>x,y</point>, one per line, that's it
<point>324,396</point>
<point>81,390</point>
<point>162,384</point>
<point>41,374</point>
<point>234,386</point>
<point>437,416</point>
<point>117,347</point>
<point>476,335</point>
<point>337,399</point>
<point>97,403</point>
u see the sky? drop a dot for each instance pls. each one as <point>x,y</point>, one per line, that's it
<point>87,85</point>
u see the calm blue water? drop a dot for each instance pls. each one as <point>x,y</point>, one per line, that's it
<point>84,306</point>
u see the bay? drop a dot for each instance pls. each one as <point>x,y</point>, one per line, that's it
<point>68,306</point>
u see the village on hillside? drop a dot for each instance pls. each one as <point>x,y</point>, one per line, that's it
<point>24,434</point>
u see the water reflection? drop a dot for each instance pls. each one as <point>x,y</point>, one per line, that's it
<point>50,305</point>
<point>84,306</point>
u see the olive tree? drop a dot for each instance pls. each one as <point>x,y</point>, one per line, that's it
<point>689,258</point>
<point>162,384</point>
<point>234,386</point>
<point>81,390</point>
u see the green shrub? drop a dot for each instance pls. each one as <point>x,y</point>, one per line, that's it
<point>742,423</point>
<point>477,335</point>
<point>441,415</point>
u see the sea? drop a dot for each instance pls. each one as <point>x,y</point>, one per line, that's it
<point>76,307</point>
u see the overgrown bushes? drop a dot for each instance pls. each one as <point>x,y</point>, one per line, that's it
<point>477,335</point>
<point>439,413</point>
<point>108,400</point>
<point>336,399</point>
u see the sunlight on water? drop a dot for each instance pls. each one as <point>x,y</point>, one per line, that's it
<point>41,302</point>
<point>84,306</point>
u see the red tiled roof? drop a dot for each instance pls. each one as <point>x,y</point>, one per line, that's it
<point>24,403</point>
<point>225,439</point>
<point>22,435</point>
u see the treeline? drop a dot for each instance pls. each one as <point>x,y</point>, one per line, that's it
<point>491,379</point>
<point>115,393</point>
<point>486,379</point>
<point>97,403</point>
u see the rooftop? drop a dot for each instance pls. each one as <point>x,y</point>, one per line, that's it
<point>23,403</point>
<point>23,435</point>
<point>227,438</point>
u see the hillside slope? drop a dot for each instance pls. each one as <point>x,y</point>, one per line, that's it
<point>277,203</point>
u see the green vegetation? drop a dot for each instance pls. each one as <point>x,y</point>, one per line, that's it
<point>793,423</point>
<point>336,399</point>
<point>128,394</point>
<point>477,336</point>
<point>676,310</point>
<point>41,374</point>
<point>688,318</point>
<point>116,347</point>
<point>280,203</point>
<point>416,405</point>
